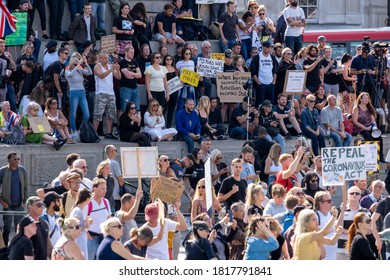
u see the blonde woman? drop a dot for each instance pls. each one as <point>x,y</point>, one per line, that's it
<point>110,248</point>
<point>103,171</point>
<point>57,120</point>
<point>66,247</point>
<point>199,201</point>
<point>155,122</point>
<point>308,240</point>
<point>272,164</point>
<point>254,199</point>
<point>41,137</point>
<point>203,110</point>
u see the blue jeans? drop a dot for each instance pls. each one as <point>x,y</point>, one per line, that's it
<point>7,219</point>
<point>229,45</point>
<point>264,92</point>
<point>37,46</point>
<point>99,11</point>
<point>78,97</point>
<point>246,48</point>
<point>280,140</point>
<point>208,86</point>
<point>75,6</point>
<point>127,95</point>
<point>186,92</point>
<point>190,142</point>
<point>239,133</point>
<point>294,43</point>
<point>11,96</point>
<point>339,142</point>
<point>316,141</point>
<point>93,245</point>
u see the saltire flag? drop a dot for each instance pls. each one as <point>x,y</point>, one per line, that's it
<point>7,21</point>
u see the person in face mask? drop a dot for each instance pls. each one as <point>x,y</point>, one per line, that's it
<point>310,184</point>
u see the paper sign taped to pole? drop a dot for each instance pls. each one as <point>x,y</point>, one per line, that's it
<point>168,190</point>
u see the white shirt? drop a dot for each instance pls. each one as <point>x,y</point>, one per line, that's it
<point>49,58</point>
<point>105,85</point>
<point>265,69</point>
<point>294,14</point>
<point>160,249</point>
<point>331,250</point>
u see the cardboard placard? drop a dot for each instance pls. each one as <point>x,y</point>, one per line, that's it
<point>108,43</point>
<point>167,190</point>
<point>209,184</point>
<point>146,162</point>
<point>189,77</point>
<point>295,82</point>
<point>209,68</point>
<point>39,124</point>
<point>340,164</point>
<point>174,85</point>
<point>230,86</point>
<point>218,56</point>
<point>372,153</point>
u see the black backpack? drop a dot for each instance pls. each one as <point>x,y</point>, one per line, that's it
<point>88,133</point>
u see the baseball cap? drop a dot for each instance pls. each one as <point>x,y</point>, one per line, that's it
<point>32,200</point>
<point>298,208</point>
<point>51,44</point>
<point>151,212</point>
<point>200,225</point>
<point>266,103</point>
<point>21,2</point>
<point>228,53</point>
<point>27,220</point>
<point>321,38</point>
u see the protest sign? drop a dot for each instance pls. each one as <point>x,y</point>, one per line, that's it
<point>208,184</point>
<point>39,124</point>
<point>372,152</point>
<point>174,85</point>
<point>209,67</point>
<point>139,162</point>
<point>343,164</point>
<point>218,56</point>
<point>295,82</point>
<point>230,86</point>
<point>189,77</point>
<point>168,190</point>
<point>108,43</point>
<point>256,41</point>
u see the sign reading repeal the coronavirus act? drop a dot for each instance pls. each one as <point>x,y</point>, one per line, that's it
<point>295,82</point>
<point>189,77</point>
<point>108,43</point>
<point>230,86</point>
<point>343,164</point>
<point>174,85</point>
<point>209,68</point>
<point>19,37</point>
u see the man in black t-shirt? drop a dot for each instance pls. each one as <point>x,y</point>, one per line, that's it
<point>238,120</point>
<point>329,72</point>
<point>215,117</point>
<point>228,27</point>
<point>286,115</point>
<point>165,27</point>
<point>128,84</point>
<point>233,188</point>
<point>312,64</point>
<point>59,87</point>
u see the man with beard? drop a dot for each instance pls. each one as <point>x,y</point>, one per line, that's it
<point>52,202</point>
<point>310,184</point>
<point>248,172</point>
<point>238,242</point>
<point>296,22</point>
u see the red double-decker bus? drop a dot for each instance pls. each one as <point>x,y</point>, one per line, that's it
<point>346,40</point>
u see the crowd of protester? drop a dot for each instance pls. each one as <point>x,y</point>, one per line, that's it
<point>266,203</point>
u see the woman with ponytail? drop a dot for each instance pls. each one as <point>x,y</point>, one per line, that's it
<point>358,245</point>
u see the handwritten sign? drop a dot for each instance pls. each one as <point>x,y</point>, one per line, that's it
<point>108,43</point>
<point>343,164</point>
<point>295,82</point>
<point>218,56</point>
<point>372,149</point>
<point>209,67</point>
<point>167,190</point>
<point>39,124</point>
<point>174,85</point>
<point>230,86</point>
<point>146,162</point>
<point>189,77</point>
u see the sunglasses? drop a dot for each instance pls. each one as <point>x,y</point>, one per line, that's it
<point>299,193</point>
<point>164,160</point>
<point>218,158</point>
<point>311,101</point>
<point>118,226</point>
<point>155,105</point>
<point>132,108</point>
<point>39,205</point>
<point>254,7</point>
<point>327,201</point>
<point>36,110</point>
<point>313,180</point>
<point>168,59</point>
<point>355,193</point>
<point>53,103</point>
<point>158,57</point>
<point>202,187</point>
<point>368,221</point>
<point>261,14</point>
<point>187,53</point>
<point>65,53</point>
<point>75,227</point>
<point>16,158</point>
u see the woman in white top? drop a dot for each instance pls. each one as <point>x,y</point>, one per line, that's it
<point>74,73</point>
<point>246,23</point>
<point>156,80</point>
<point>264,25</point>
<point>187,91</point>
<point>155,123</point>
<point>272,164</point>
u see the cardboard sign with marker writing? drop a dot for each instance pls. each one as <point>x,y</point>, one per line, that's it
<point>108,43</point>
<point>39,124</point>
<point>230,86</point>
<point>189,77</point>
<point>167,190</point>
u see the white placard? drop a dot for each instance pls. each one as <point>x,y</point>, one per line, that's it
<point>295,82</point>
<point>343,164</point>
<point>371,152</point>
<point>174,85</point>
<point>147,162</point>
<point>209,185</point>
<point>209,68</point>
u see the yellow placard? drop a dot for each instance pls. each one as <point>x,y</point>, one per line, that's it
<point>40,127</point>
<point>189,77</point>
<point>219,56</point>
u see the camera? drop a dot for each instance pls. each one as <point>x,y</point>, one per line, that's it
<point>366,44</point>
<point>248,84</point>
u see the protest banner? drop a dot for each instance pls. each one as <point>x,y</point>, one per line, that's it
<point>256,41</point>
<point>230,86</point>
<point>218,56</point>
<point>208,184</point>
<point>295,82</point>
<point>174,85</point>
<point>372,152</point>
<point>168,190</point>
<point>139,162</point>
<point>340,164</point>
<point>39,124</point>
<point>209,67</point>
<point>108,43</point>
<point>189,77</point>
